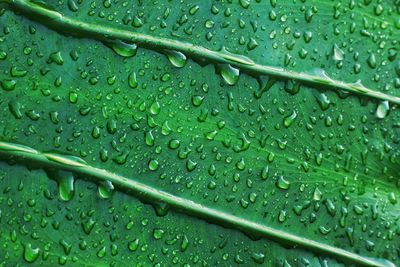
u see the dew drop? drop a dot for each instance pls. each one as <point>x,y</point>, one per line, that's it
<point>161,208</point>
<point>65,181</point>
<point>282,183</point>
<point>229,73</point>
<point>382,110</point>
<point>290,119</point>
<point>337,53</point>
<point>30,254</point>
<point>56,57</point>
<point>122,48</point>
<point>149,138</point>
<point>371,61</point>
<point>8,84</point>
<point>88,226</point>
<point>133,245</point>
<point>177,59</point>
<point>132,80</point>
<point>105,189</point>
<point>153,165</point>
<point>155,107</point>
<point>158,233</point>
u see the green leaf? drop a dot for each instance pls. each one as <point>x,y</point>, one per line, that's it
<point>203,133</point>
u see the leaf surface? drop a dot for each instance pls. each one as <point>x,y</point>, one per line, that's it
<point>200,133</point>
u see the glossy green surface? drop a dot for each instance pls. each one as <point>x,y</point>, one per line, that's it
<point>200,133</point>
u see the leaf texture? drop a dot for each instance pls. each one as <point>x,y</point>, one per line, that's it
<point>200,133</point>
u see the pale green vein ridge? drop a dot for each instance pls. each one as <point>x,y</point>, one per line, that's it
<point>61,23</point>
<point>79,166</point>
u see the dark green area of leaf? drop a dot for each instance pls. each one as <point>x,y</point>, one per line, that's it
<point>314,163</point>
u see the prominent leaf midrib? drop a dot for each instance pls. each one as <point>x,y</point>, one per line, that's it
<point>80,167</point>
<point>61,23</point>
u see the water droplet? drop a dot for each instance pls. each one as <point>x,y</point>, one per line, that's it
<point>105,189</point>
<point>133,245</point>
<point>392,198</point>
<point>149,138</point>
<point>282,183</point>
<point>190,165</point>
<point>15,109</point>
<point>178,59</point>
<point>229,73</point>
<point>265,83</point>
<point>174,144</point>
<point>132,80</point>
<point>372,61</point>
<point>290,119</point>
<point>244,3</point>
<point>158,233</point>
<point>101,252</point>
<point>88,225</point>
<point>155,107</point>
<point>30,254</point>
<point>56,57</point>
<point>65,181</point>
<point>211,135</point>
<point>258,258</point>
<point>122,48</point>
<point>72,5</point>
<point>382,110</point>
<point>317,194</point>
<point>16,72</point>
<point>323,101</point>
<point>337,53</point>
<point>197,100</point>
<point>8,84</point>
<point>153,165</point>
<point>184,243</point>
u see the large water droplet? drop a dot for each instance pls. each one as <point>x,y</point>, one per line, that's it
<point>106,189</point>
<point>282,183</point>
<point>229,73</point>
<point>178,59</point>
<point>382,110</point>
<point>30,254</point>
<point>122,48</point>
<point>65,181</point>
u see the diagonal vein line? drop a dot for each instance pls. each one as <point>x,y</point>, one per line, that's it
<point>79,166</point>
<point>61,23</point>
